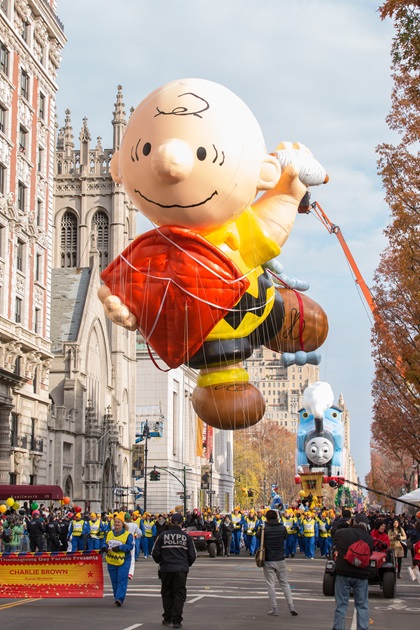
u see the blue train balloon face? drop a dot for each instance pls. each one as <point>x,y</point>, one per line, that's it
<point>319,450</point>
<point>320,443</point>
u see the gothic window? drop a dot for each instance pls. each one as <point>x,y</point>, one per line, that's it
<point>68,240</point>
<point>100,225</point>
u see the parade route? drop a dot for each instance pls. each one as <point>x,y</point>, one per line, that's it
<point>222,592</point>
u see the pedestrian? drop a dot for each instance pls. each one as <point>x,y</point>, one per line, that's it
<point>227,528</point>
<point>350,578</point>
<point>119,543</point>
<point>36,531</point>
<point>174,551</point>
<point>398,537</point>
<point>379,535</point>
<point>135,531</point>
<point>52,531</point>
<point>309,530</point>
<point>275,535</point>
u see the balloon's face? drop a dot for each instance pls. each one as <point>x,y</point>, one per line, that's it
<point>191,156</point>
<point>319,451</point>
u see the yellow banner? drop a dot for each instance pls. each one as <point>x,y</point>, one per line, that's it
<point>77,574</point>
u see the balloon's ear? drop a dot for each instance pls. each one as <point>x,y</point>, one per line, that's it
<point>115,168</point>
<point>269,173</point>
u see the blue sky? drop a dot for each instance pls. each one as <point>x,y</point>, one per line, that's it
<point>315,71</point>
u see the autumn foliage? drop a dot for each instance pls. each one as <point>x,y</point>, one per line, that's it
<point>396,335</point>
<point>264,455</point>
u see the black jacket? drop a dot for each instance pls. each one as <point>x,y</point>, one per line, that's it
<point>35,528</point>
<point>174,550</point>
<point>342,541</point>
<point>275,535</point>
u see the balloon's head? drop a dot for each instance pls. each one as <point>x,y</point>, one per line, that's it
<point>193,155</point>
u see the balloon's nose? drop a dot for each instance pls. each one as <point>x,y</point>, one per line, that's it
<point>173,160</point>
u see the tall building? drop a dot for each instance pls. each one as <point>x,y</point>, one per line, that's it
<point>192,456</point>
<point>281,387</point>
<point>92,375</point>
<point>31,38</point>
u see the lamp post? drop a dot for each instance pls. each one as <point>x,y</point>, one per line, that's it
<point>146,432</point>
<point>211,462</point>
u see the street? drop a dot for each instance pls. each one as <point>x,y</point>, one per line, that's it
<point>225,593</point>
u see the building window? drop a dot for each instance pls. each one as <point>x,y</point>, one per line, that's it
<point>24,85</point>
<point>4,59</point>
<point>3,112</point>
<point>14,429</point>
<point>38,268</point>
<point>19,255</point>
<point>100,224</point>
<point>18,310</point>
<point>38,212</point>
<point>68,240</point>
<point>24,33</point>
<point>23,139</point>
<point>13,479</point>
<point>41,106</point>
<point>40,159</point>
<point>21,196</point>
<point>33,434</point>
<point>2,178</point>
<point>37,321</point>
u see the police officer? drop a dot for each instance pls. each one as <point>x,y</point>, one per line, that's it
<point>52,531</point>
<point>36,531</point>
<point>174,551</point>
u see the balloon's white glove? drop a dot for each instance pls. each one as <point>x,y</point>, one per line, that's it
<point>283,280</point>
<point>311,172</point>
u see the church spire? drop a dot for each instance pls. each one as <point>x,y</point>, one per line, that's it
<point>66,134</point>
<point>84,138</point>
<point>118,120</point>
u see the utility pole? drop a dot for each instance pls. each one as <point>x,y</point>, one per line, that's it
<point>211,462</point>
<point>146,432</point>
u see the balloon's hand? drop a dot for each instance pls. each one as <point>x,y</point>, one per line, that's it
<point>310,171</point>
<point>283,280</point>
<point>114,308</point>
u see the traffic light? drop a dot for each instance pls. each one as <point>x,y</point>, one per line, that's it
<point>154,475</point>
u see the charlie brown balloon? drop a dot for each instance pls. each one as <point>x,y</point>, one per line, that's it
<point>199,286</point>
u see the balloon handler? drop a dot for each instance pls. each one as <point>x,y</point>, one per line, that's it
<point>203,285</point>
<point>119,543</point>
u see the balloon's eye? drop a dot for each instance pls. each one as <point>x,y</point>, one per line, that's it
<point>201,153</point>
<point>147,148</point>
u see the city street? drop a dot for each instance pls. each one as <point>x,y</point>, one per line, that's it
<point>225,593</point>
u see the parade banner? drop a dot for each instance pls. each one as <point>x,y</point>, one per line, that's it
<point>51,574</point>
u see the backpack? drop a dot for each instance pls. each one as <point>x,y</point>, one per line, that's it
<point>358,554</point>
<point>7,535</point>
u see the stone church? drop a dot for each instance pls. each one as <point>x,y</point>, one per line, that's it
<point>92,375</point>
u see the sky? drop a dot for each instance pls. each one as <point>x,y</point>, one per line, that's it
<point>313,71</point>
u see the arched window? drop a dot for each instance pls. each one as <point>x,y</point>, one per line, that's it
<point>68,240</point>
<point>100,225</point>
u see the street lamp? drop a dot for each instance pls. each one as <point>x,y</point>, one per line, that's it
<point>146,432</point>
<point>211,462</point>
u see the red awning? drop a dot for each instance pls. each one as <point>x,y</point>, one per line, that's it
<point>21,493</point>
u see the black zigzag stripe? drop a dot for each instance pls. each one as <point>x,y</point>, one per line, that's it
<point>247,302</point>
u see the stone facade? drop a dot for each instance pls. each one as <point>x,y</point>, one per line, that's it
<point>92,377</point>
<point>31,37</point>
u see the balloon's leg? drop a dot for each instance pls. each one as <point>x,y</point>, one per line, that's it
<point>225,399</point>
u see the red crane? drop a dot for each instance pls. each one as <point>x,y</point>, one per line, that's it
<point>305,208</point>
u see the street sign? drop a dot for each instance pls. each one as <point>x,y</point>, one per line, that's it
<point>210,491</point>
<point>181,496</point>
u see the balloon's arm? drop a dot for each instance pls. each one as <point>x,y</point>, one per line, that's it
<point>281,279</point>
<point>116,310</point>
<point>277,208</point>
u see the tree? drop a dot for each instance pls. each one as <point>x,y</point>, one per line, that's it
<point>264,455</point>
<point>396,334</point>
